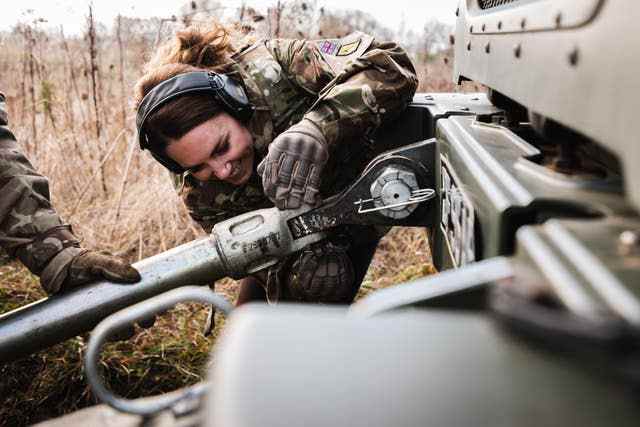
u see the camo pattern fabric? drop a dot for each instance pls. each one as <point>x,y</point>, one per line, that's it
<point>348,87</point>
<point>29,226</point>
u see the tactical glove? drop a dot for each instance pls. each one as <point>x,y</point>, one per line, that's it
<point>322,273</point>
<point>74,267</point>
<point>291,171</point>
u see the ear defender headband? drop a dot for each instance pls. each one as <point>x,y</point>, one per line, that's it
<point>224,90</point>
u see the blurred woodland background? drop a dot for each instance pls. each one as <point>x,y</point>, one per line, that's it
<point>70,107</point>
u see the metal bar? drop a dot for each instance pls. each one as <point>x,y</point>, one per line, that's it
<point>448,282</point>
<point>49,321</point>
<point>237,247</point>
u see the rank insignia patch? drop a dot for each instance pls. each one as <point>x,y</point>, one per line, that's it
<point>348,49</point>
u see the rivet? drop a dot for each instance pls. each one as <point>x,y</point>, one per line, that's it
<point>517,50</point>
<point>574,57</point>
<point>629,242</point>
<point>468,45</point>
<point>487,47</point>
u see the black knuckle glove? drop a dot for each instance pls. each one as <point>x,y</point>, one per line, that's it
<point>322,273</point>
<point>292,170</point>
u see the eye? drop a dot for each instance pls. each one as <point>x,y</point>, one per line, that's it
<point>223,147</point>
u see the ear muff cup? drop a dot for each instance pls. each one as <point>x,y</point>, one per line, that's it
<point>227,92</point>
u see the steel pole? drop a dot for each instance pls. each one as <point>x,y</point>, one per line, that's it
<point>239,246</point>
<point>43,323</point>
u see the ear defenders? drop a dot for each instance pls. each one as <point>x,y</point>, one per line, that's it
<point>224,90</point>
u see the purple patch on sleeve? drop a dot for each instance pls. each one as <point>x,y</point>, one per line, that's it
<point>328,47</point>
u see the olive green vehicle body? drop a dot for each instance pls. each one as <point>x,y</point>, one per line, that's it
<point>575,63</point>
<point>534,316</point>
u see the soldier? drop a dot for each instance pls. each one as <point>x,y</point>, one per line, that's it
<point>303,133</point>
<point>32,231</point>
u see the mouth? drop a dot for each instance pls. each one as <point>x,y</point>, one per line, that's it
<point>241,168</point>
<point>235,169</point>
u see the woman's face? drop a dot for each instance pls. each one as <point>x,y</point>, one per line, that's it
<point>220,148</point>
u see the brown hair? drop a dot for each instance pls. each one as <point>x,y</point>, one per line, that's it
<point>195,48</point>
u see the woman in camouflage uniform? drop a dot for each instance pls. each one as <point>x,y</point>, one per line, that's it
<point>316,105</point>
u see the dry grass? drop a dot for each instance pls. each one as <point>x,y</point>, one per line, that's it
<point>120,200</point>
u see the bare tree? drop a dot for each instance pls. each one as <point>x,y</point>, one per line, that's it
<point>123,94</point>
<point>435,36</point>
<point>93,53</point>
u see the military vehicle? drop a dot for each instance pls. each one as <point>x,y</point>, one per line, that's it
<point>531,193</point>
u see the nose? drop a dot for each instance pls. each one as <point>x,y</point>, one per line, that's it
<point>221,167</point>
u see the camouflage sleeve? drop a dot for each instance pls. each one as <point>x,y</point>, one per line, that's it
<point>366,91</point>
<point>29,226</point>
<point>303,63</point>
<point>213,201</point>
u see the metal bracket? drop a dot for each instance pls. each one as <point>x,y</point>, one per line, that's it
<point>409,169</point>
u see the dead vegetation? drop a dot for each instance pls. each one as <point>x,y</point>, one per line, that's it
<point>70,108</point>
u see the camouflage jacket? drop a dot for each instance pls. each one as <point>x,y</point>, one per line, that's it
<point>348,87</point>
<point>29,226</point>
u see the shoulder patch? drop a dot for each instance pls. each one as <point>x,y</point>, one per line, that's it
<point>329,47</point>
<point>348,49</point>
<point>337,52</point>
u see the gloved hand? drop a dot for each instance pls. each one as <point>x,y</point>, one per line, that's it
<point>74,267</point>
<point>92,265</point>
<point>322,272</point>
<point>292,170</point>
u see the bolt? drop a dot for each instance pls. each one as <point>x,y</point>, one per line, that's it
<point>457,11</point>
<point>629,242</point>
<point>559,19</point>
<point>452,39</point>
<point>523,23</point>
<point>468,45</point>
<point>574,56</point>
<point>499,25</point>
<point>487,48</point>
<point>394,184</point>
<point>517,50</point>
<point>471,29</point>
<point>484,27</point>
